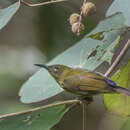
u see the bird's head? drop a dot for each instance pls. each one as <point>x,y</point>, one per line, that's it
<point>56,70</point>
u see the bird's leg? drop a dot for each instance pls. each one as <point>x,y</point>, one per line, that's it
<point>88,100</point>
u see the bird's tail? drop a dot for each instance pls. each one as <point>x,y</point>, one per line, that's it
<point>122,90</point>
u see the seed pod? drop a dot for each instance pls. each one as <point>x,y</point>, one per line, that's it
<point>74,18</point>
<point>88,9</point>
<point>76,27</point>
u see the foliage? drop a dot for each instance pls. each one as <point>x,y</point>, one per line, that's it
<point>7,13</point>
<point>95,48</point>
<point>41,119</point>
<point>126,125</point>
<point>119,103</point>
<point>120,6</point>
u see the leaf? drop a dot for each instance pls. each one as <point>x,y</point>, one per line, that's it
<point>126,125</point>
<point>88,52</point>
<point>120,6</point>
<point>119,103</point>
<point>7,13</point>
<point>41,119</point>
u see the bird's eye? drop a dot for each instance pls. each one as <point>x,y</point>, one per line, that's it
<point>56,69</point>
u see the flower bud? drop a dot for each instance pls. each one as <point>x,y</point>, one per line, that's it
<point>88,9</point>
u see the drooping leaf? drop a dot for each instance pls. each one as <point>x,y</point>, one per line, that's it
<point>126,125</point>
<point>7,13</point>
<point>38,120</point>
<point>119,103</point>
<point>120,6</point>
<point>90,51</point>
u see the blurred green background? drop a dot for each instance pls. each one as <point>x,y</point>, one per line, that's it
<point>36,35</point>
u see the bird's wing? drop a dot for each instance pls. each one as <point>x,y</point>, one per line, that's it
<point>91,81</point>
<point>85,81</point>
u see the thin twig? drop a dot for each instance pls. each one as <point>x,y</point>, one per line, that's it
<point>40,108</point>
<point>123,51</point>
<point>40,4</point>
<point>80,19</point>
<point>84,115</point>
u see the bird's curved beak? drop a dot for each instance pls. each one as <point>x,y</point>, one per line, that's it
<point>43,66</point>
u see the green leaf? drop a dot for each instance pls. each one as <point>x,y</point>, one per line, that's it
<point>88,52</point>
<point>120,6</point>
<point>38,120</point>
<point>119,103</point>
<point>126,125</point>
<point>7,13</point>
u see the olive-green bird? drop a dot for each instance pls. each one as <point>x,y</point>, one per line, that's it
<point>83,82</point>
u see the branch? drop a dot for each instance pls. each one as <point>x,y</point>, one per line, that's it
<point>117,60</point>
<point>40,108</point>
<point>40,4</point>
<point>80,19</point>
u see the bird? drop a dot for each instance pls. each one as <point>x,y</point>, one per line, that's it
<point>83,82</point>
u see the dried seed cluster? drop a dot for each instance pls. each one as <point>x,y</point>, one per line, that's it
<point>76,26</point>
<point>88,9</point>
<point>75,19</point>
